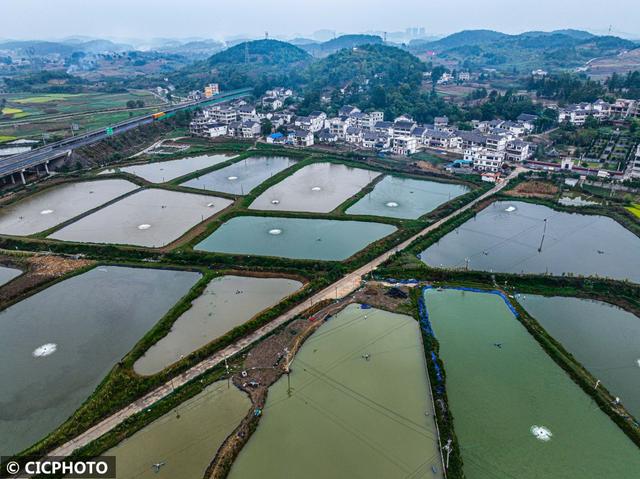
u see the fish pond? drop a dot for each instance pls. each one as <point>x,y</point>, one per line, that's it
<point>517,413</point>
<point>227,302</point>
<point>243,176</point>
<point>316,188</point>
<point>184,441</point>
<point>518,237</point>
<point>405,198</point>
<point>295,238</point>
<point>163,171</point>
<point>7,274</point>
<point>59,344</point>
<point>57,204</point>
<point>605,339</point>
<point>357,405</point>
<point>151,218</point>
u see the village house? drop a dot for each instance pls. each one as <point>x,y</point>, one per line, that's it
<point>405,145</point>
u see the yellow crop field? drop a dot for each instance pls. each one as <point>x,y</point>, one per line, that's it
<point>635,209</point>
<point>11,111</point>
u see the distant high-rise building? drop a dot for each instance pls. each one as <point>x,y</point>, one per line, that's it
<point>211,89</point>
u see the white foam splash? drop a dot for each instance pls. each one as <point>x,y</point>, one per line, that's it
<point>45,350</point>
<point>275,231</point>
<point>46,212</point>
<point>144,227</point>
<point>316,188</point>
<point>210,205</point>
<point>541,433</point>
<point>392,204</point>
<point>232,178</point>
<point>638,361</point>
<point>275,202</point>
<point>510,209</point>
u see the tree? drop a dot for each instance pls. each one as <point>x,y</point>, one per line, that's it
<point>140,104</point>
<point>131,104</point>
<point>266,127</point>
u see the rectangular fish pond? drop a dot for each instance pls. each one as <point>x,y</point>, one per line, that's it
<point>507,237</point>
<point>163,171</point>
<point>227,302</point>
<point>296,238</point>
<point>316,188</point>
<point>359,406</point>
<point>517,413</point>
<point>398,197</point>
<point>605,339</point>
<point>243,176</point>
<point>7,274</point>
<point>57,345</point>
<point>57,204</point>
<point>184,441</point>
<point>151,218</point>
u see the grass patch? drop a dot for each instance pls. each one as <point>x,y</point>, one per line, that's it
<point>6,138</point>
<point>634,210</point>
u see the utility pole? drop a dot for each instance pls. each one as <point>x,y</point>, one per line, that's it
<point>226,367</point>
<point>466,264</point>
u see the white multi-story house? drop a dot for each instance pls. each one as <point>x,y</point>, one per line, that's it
<point>496,142</point>
<point>303,138</point>
<point>384,127</point>
<point>528,121</point>
<point>313,123</point>
<point>247,112</point>
<point>338,127</point>
<point>217,129</point>
<point>224,115</point>
<point>440,122</point>
<point>484,160</point>
<point>635,167</point>
<point>353,135</point>
<point>250,129</point>
<point>272,103</point>
<point>441,139</point>
<point>403,128</point>
<point>518,151</point>
<point>405,145</point>
<point>373,140</point>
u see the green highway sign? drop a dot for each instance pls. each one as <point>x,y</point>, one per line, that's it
<point>109,131</point>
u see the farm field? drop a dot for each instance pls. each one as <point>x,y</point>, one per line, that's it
<point>30,115</point>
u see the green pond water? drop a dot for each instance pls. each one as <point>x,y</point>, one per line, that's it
<point>57,345</point>
<point>243,176</point>
<point>507,237</point>
<point>503,388</point>
<point>150,218</point>
<point>296,238</point>
<point>605,339</point>
<point>346,416</point>
<point>398,197</point>
<point>227,302</point>
<point>7,274</point>
<point>163,171</point>
<point>55,205</point>
<point>186,444</point>
<point>317,188</point>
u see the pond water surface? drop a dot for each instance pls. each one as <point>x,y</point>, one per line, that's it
<point>151,218</point>
<point>517,413</point>
<point>359,406</point>
<point>7,274</point>
<point>507,236</point>
<point>163,171</point>
<point>55,205</point>
<point>59,344</point>
<point>186,439</point>
<point>243,176</point>
<point>297,238</point>
<point>227,302</point>
<point>407,198</point>
<point>605,339</point>
<point>317,188</point>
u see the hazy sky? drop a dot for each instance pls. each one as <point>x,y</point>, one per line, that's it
<point>23,19</point>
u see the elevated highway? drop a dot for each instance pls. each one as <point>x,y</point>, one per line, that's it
<point>18,164</point>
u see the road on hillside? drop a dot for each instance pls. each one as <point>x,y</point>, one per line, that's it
<point>341,288</point>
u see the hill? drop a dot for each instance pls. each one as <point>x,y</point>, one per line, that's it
<point>370,76</point>
<point>259,64</point>
<point>557,50</point>
<point>344,41</point>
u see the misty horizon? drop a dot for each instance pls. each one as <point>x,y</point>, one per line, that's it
<point>146,20</point>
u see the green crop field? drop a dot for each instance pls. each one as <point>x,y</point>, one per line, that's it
<point>635,209</point>
<point>29,116</point>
